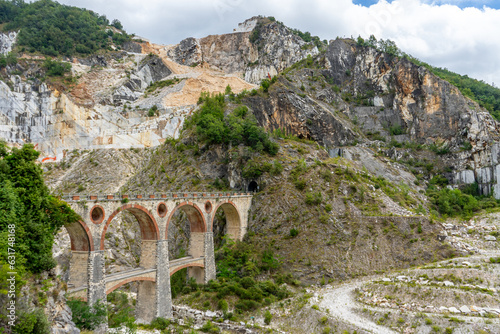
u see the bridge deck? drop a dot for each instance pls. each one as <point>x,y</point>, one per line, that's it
<point>154,196</point>
<point>129,275</point>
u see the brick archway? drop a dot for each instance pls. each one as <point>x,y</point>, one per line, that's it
<point>134,279</point>
<point>194,214</point>
<point>80,236</point>
<point>233,218</point>
<point>191,265</point>
<point>147,223</point>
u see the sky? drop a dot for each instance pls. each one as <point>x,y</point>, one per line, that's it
<point>460,35</point>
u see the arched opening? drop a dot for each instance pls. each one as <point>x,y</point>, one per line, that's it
<point>253,186</point>
<point>226,222</point>
<point>186,229</point>
<point>122,300</point>
<point>129,240</point>
<point>71,250</point>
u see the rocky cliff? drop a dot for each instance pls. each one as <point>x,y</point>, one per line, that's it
<point>338,96</point>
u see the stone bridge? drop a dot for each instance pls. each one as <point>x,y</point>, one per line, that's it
<point>153,213</point>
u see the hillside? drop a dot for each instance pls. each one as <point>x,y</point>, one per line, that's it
<point>363,162</point>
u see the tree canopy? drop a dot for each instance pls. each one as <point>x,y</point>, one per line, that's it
<point>26,204</point>
<point>54,29</point>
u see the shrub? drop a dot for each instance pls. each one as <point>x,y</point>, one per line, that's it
<point>439,180</point>
<point>85,316</point>
<point>314,198</point>
<point>265,84</point>
<point>300,184</point>
<point>208,327</point>
<point>160,323</point>
<point>223,305</point>
<point>267,317</point>
<point>453,202</point>
<point>396,130</point>
<point>294,232</point>
<point>56,68</point>
<point>34,322</point>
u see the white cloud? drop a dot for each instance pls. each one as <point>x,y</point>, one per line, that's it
<point>463,40</point>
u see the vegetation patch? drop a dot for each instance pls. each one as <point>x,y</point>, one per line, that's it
<point>238,127</point>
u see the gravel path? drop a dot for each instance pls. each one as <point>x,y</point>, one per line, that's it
<point>341,303</point>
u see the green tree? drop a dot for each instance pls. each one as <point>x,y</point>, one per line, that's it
<point>25,201</point>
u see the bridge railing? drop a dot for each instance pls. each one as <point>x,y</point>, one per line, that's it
<point>153,196</point>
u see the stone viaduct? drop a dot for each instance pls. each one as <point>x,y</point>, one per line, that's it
<point>153,213</point>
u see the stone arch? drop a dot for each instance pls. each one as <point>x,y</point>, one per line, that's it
<point>194,214</point>
<point>147,223</point>
<point>80,236</point>
<point>133,279</point>
<point>189,265</point>
<point>233,218</point>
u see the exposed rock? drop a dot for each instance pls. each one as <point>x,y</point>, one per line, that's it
<point>490,238</point>
<point>464,309</point>
<point>150,69</point>
<point>300,116</point>
<point>7,41</point>
<point>131,46</point>
<point>187,52</point>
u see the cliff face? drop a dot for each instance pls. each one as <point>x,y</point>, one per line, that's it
<point>427,109</point>
<point>336,96</point>
<point>256,49</point>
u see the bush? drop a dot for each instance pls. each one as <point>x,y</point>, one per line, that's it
<point>300,184</point>
<point>120,311</point>
<point>396,130</point>
<point>265,84</point>
<point>314,198</point>
<point>208,327</point>
<point>268,317</point>
<point>160,323</point>
<point>453,202</point>
<point>85,316</point>
<point>294,232</point>
<point>32,323</point>
<point>56,68</point>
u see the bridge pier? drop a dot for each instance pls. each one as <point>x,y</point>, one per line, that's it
<point>209,257</point>
<point>96,290</point>
<point>163,293</point>
<point>96,286</point>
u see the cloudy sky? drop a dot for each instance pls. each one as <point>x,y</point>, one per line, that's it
<point>461,35</point>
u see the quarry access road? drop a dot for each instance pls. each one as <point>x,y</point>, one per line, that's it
<point>341,303</point>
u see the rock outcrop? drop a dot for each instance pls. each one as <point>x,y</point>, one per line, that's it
<point>426,108</point>
<point>300,115</point>
<point>275,49</point>
<point>7,41</point>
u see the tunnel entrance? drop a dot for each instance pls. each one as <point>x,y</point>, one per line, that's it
<point>253,186</point>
